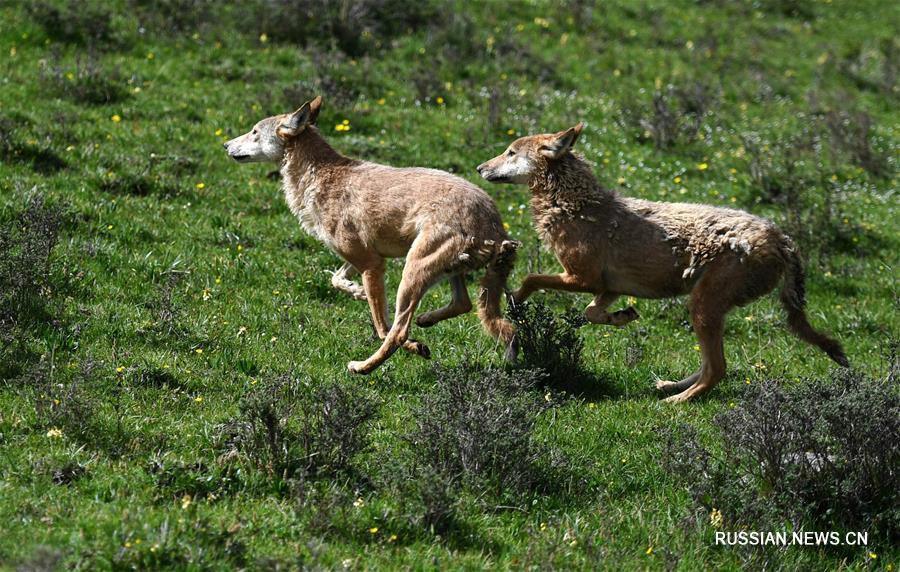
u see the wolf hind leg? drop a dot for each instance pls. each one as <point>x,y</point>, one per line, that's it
<point>459,304</point>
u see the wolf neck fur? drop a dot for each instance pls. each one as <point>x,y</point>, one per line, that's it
<point>563,188</point>
<point>309,170</point>
<point>308,154</point>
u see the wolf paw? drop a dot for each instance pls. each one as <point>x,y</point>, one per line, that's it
<point>417,348</point>
<point>358,367</point>
<point>682,397</point>
<point>624,317</point>
<point>663,385</point>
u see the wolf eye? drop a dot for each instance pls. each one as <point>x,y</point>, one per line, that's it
<point>510,153</point>
<point>253,132</point>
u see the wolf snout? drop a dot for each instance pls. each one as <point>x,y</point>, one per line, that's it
<point>485,171</point>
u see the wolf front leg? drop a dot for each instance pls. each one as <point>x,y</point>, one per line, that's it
<point>564,281</point>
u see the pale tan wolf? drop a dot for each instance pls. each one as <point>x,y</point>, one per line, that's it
<point>366,213</point>
<point>609,245</point>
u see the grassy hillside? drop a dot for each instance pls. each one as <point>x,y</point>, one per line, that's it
<point>161,301</point>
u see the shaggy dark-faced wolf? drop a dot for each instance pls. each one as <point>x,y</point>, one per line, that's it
<point>609,246</point>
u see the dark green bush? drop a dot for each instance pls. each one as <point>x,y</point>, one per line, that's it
<point>477,426</point>
<point>675,115</point>
<point>291,430</point>
<point>87,82</point>
<point>824,454</point>
<point>551,343</point>
<point>27,240</point>
<point>355,27</point>
<point>78,22</point>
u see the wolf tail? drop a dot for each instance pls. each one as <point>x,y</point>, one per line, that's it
<point>493,286</point>
<point>793,298</point>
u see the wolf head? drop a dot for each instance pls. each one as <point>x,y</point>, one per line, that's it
<point>266,141</point>
<point>528,155</point>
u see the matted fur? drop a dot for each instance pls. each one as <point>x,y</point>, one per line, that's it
<point>445,226</point>
<point>610,245</point>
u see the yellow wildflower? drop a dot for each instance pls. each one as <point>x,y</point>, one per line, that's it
<point>439,100</point>
<point>373,530</point>
<point>263,38</point>
<point>54,433</point>
<point>702,166</point>
<point>200,185</point>
<point>116,118</point>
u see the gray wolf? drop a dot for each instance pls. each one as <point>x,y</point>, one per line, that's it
<point>610,245</point>
<point>366,213</point>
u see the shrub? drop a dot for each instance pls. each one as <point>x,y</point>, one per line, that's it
<point>63,404</point>
<point>290,430</point>
<point>177,479</point>
<point>43,559</point>
<point>550,343</point>
<point>176,16</point>
<point>27,240</point>
<point>477,426</point>
<point>77,22</point>
<point>787,171</point>
<point>823,453</point>
<point>353,27</point>
<point>474,430</point>
<point>872,69</point>
<point>676,114</point>
<point>851,132</point>
<point>89,83</point>
<point>166,307</point>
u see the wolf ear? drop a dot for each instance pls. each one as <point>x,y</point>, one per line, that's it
<point>562,142</point>
<point>306,115</point>
<point>314,106</point>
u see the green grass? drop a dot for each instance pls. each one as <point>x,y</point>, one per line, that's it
<point>150,193</point>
